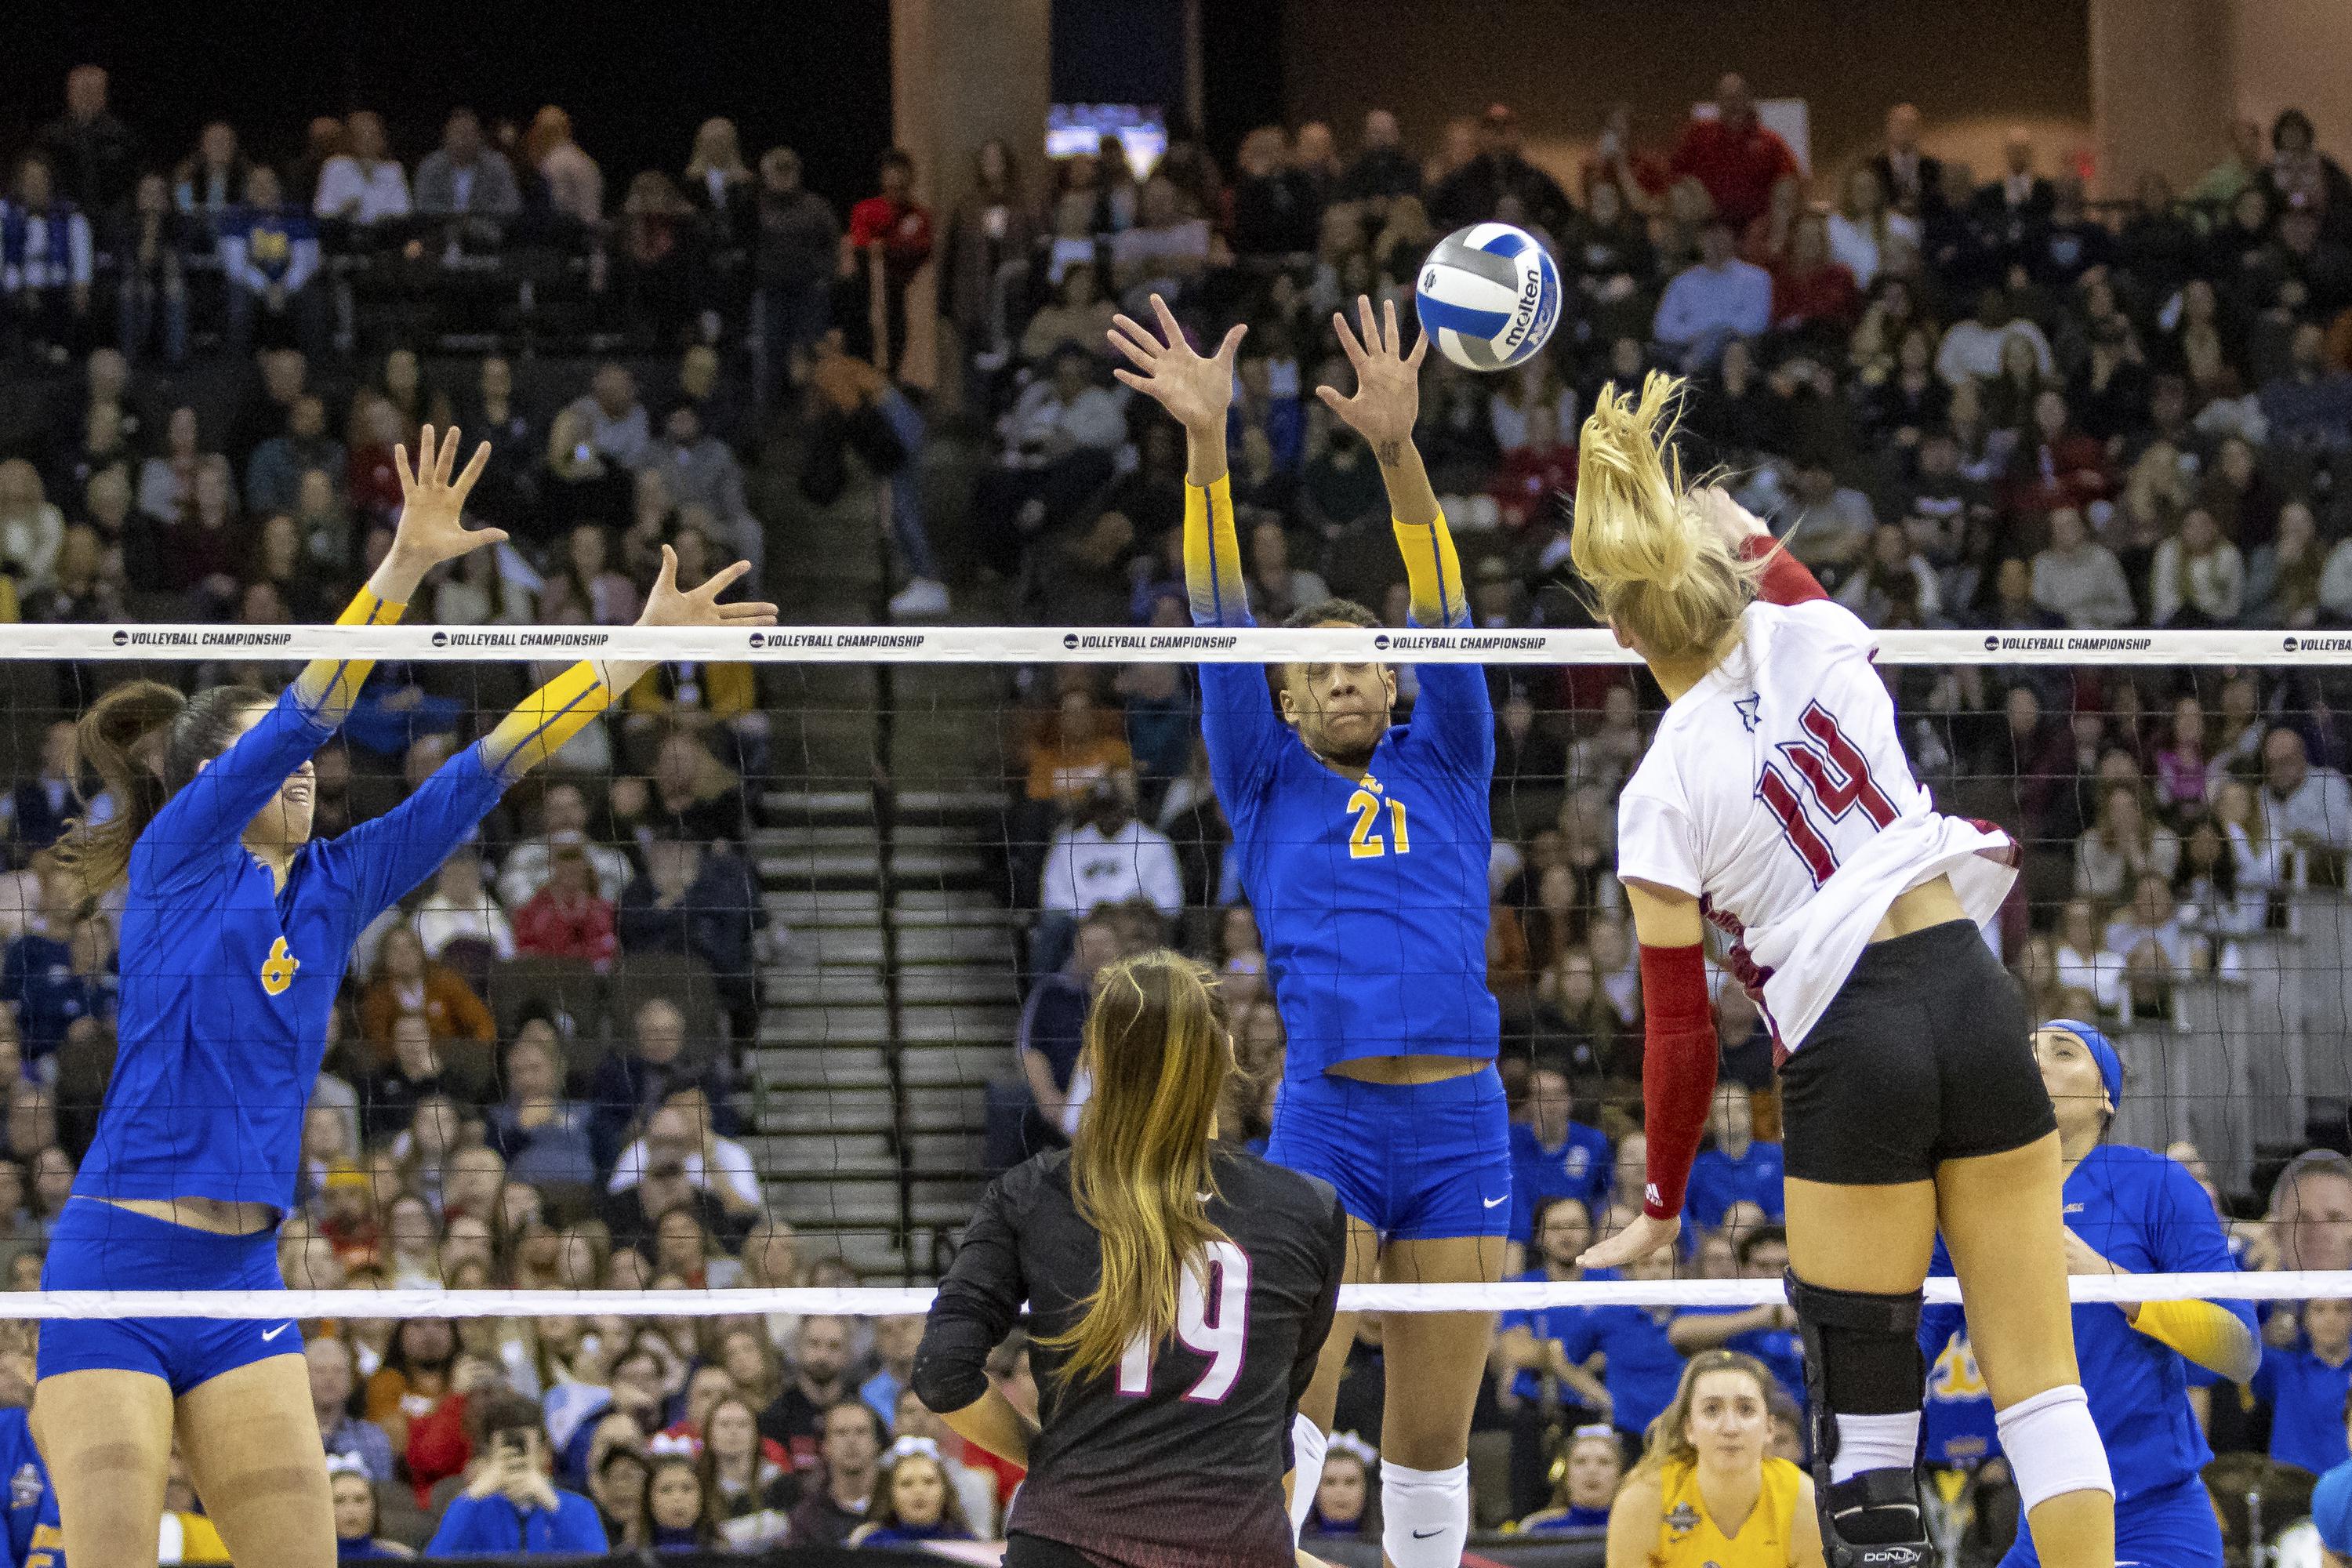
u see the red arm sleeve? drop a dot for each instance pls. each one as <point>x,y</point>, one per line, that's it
<point>1679,1057</point>
<point>1786,580</point>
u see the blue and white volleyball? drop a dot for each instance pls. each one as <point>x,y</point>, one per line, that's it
<point>1489,294</point>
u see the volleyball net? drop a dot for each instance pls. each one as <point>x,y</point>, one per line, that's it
<point>854,878</point>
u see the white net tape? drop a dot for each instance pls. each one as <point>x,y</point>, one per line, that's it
<point>1059,644</point>
<point>869,1302</point>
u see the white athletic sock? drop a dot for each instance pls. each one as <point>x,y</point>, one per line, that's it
<point>1424,1515</point>
<point>1307,1446</point>
<point>1875,1443</point>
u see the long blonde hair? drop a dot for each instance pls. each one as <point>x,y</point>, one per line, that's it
<point>1667,1442</point>
<point>1140,1163</point>
<point>1662,575</point>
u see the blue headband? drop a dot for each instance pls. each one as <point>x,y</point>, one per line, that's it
<point>2111,1066</point>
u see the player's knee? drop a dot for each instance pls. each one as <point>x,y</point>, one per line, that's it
<point>1862,1349</point>
<point>1425,1514</point>
<point>2053,1446</point>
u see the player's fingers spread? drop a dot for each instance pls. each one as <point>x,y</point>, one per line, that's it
<point>1175,334</point>
<point>667,578</point>
<point>1141,384</point>
<point>1136,330</point>
<point>1131,348</point>
<point>400,467</point>
<point>1348,343</point>
<point>1372,339</point>
<point>1420,351</point>
<point>720,580</point>
<point>448,459</point>
<point>1389,327</point>
<point>1331,397</point>
<point>474,468</point>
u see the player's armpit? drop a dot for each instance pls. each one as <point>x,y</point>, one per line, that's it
<point>544,721</point>
<point>1786,580</point>
<point>2206,1332</point>
<point>1212,557</point>
<point>327,687</point>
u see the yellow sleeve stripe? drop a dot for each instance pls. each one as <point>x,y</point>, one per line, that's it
<point>545,721</point>
<point>327,687</point>
<point>2212,1336</point>
<point>1212,556</point>
<point>1434,572</point>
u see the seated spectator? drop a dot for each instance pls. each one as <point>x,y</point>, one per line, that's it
<point>1830,525</point>
<point>895,1341</point>
<point>45,262</point>
<point>460,909</point>
<point>1080,318</point>
<point>705,905</point>
<point>1536,1377</point>
<point>2310,807</point>
<point>406,983</point>
<point>415,1396</point>
<point>1768,1333</point>
<point>563,810</point>
<point>676,1518</point>
<point>913,1501</point>
<point>2085,962</point>
<point>573,185</point>
<point>2158,950</point>
<point>1643,1367</point>
<point>1971,349</point>
<point>2305,1373</point>
<point>680,1135</point>
<point>702,471</point>
<point>269,254</point>
<point>359,1511</point>
<point>619,427</point>
<point>820,1361</point>
<point>1163,252</point>
<point>567,917</point>
<point>2198,579</point>
<point>542,1136</point>
<point>31,529</point>
<point>465,176</point>
<point>1739,159</point>
<point>1813,291</point>
<point>852,1452</point>
<point>1737,1167</point>
<point>1714,301</point>
<point>1552,1154</point>
<point>364,186</point>
<point>635,1082</point>
<point>750,1491</point>
<point>509,1504</point>
<point>273,475</point>
<point>2078,579</point>
<point>1106,856</point>
<point>1058,441</point>
<point>390,1095</point>
<point>334,1382</point>
<point>1589,1473</point>
<point>36,811</point>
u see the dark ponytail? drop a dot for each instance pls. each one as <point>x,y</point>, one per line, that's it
<point>144,740</point>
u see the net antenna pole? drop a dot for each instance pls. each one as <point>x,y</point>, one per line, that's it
<point>885,840</point>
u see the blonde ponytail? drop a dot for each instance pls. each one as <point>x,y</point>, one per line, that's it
<point>1663,576</point>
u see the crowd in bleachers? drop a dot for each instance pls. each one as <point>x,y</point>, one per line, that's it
<point>1965,402</point>
<point>1984,404</point>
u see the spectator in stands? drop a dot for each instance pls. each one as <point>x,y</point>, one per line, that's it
<point>2121,846</point>
<point>406,983</point>
<point>702,471</point>
<point>209,179</point>
<point>2309,404</point>
<point>509,1504</point>
<point>2305,1376</point>
<point>1381,168</point>
<point>1768,1333</point>
<point>851,1451</point>
<point>1552,1154</point>
<point>40,978</point>
<point>1535,1378</point>
<point>1711,302</point>
<point>820,1363</point>
<point>2078,579</point>
<point>618,427</point>
<point>705,905</point>
<point>2200,578</point>
<point>269,256</point>
<point>1737,1167</point>
<point>633,1083</point>
<point>2308,807</point>
<point>334,1380</point>
<point>681,1134</point>
<point>1973,349</point>
<point>2011,211</point>
<point>1106,856</point>
<point>567,917</point>
<point>2310,1214</point>
<point>45,263</point>
<point>273,475</point>
<point>415,1396</point>
<point>391,1094</point>
<point>1277,210</point>
<point>750,1492</point>
<point>889,239</point>
<point>95,154</point>
<point>573,185</point>
<point>1059,439</point>
<point>34,812</point>
<point>1913,182</point>
<point>914,1501</point>
<point>895,1341</point>
<point>543,1137</point>
<point>799,237</point>
<point>1477,191</point>
<point>465,176</point>
<point>1738,159</point>
<point>362,185</point>
<point>461,911</point>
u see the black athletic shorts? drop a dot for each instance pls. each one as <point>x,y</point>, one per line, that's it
<point>1025,1550</point>
<point>1925,1054</point>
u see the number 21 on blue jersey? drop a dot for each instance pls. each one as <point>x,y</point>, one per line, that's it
<point>1365,842</point>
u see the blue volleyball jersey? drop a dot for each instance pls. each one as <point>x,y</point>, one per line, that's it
<point>1644,1369</point>
<point>1372,897</point>
<point>2146,1215</point>
<point>1545,1322</point>
<point>1583,1167</point>
<point>35,1537</point>
<point>1958,1415</point>
<point>227,979</point>
<point>1717,1181</point>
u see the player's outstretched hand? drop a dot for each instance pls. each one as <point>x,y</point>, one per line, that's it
<point>670,606</point>
<point>1387,379</point>
<point>433,505</point>
<point>1634,1243</point>
<point>1194,388</point>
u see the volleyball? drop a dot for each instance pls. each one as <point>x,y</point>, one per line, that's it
<point>1489,294</point>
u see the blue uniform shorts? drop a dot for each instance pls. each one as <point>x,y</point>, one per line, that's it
<point>2171,1527</point>
<point>98,1247</point>
<point>1415,1163</point>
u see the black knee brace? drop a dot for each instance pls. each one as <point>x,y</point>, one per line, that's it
<point>1862,1358</point>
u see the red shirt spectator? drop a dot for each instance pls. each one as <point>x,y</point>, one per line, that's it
<point>1535,476</point>
<point>566,919</point>
<point>1811,290</point>
<point>901,224</point>
<point>1735,156</point>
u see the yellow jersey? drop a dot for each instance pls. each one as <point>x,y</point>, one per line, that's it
<point>1688,1538</point>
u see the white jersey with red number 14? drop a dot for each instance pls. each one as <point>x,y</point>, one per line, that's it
<point>1776,792</point>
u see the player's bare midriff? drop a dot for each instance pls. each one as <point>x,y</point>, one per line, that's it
<point>1928,904</point>
<point>1407,1072</point>
<point>221,1216</point>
